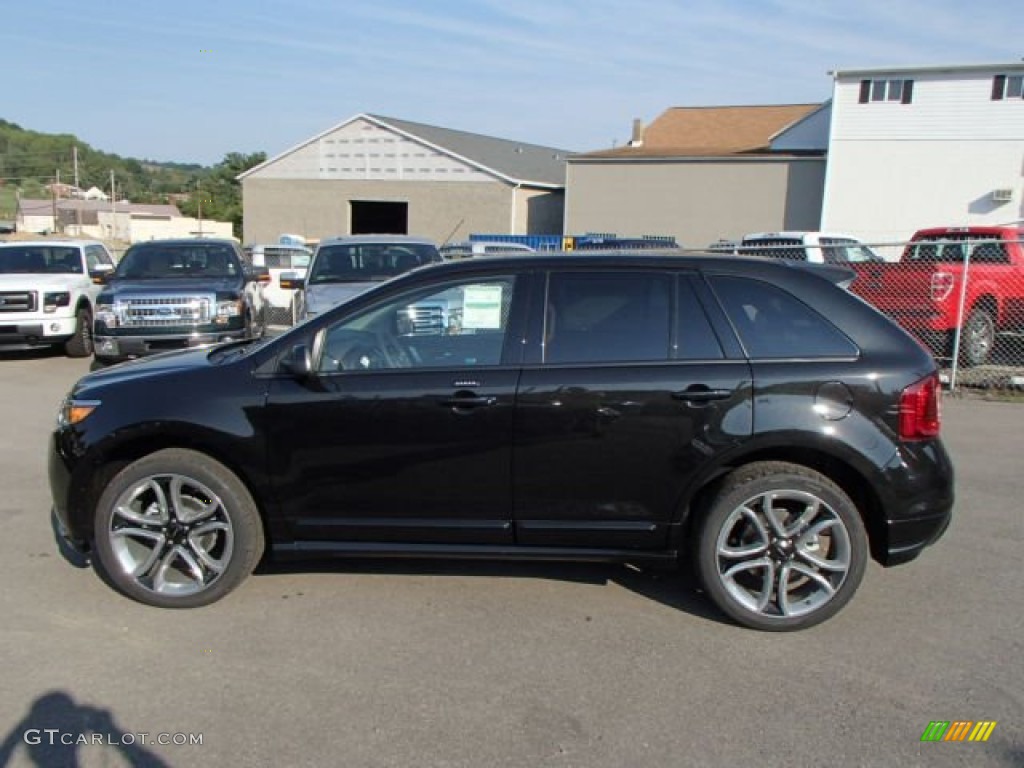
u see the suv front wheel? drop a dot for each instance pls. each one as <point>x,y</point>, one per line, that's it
<point>177,529</point>
<point>781,547</point>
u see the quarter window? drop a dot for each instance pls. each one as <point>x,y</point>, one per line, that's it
<point>607,317</point>
<point>773,324</point>
<point>456,325</point>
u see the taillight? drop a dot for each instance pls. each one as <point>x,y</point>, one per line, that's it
<point>942,286</point>
<point>919,409</point>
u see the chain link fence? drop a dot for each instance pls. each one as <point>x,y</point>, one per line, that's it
<point>960,294</point>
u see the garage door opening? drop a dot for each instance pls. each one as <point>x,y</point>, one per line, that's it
<point>372,218</point>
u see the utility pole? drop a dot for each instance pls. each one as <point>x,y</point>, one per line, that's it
<point>78,207</point>
<point>113,207</point>
<point>53,200</point>
<point>199,197</point>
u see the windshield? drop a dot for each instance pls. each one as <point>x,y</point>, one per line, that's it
<point>160,261</point>
<point>775,248</point>
<point>365,262</point>
<point>951,249</point>
<point>40,259</point>
<point>281,257</point>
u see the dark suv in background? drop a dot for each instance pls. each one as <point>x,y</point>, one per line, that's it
<point>748,415</point>
<point>173,294</point>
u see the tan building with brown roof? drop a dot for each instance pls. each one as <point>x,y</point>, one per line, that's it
<point>702,174</point>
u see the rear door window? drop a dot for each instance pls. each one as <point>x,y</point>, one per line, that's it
<point>593,317</point>
<point>773,324</point>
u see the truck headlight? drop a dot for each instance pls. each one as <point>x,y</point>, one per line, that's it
<point>229,308</point>
<point>105,314</point>
<point>51,301</point>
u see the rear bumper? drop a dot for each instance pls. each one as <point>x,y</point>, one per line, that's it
<point>918,502</point>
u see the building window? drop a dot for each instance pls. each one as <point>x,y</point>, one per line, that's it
<point>1007,87</point>
<point>900,91</point>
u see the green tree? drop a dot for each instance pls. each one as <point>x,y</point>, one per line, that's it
<point>218,192</point>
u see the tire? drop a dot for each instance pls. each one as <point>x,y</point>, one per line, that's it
<point>817,547</point>
<point>152,552</point>
<point>80,344</point>
<point>978,337</point>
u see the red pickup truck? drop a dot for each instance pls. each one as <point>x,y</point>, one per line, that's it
<point>923,291</point>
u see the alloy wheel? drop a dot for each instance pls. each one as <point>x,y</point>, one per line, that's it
<point>171,535</point>
<point>783,554</point>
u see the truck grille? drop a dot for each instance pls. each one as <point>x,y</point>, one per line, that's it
<point>18,301</point>
<point>427,319</point>
<point>161,311</point>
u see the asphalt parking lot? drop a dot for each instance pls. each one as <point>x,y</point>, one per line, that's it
<point>411,664</point>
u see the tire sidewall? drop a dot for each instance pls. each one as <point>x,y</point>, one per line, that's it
<point>81,344</point>
<point>238,506</point>
<point>979,320</point>
<point>735,494</point>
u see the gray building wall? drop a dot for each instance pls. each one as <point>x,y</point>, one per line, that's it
<point>321,208</point>
<point>697,200</point>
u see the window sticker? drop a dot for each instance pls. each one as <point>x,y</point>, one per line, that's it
<point>481,307</point>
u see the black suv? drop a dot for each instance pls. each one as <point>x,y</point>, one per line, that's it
<point>747,414</point>
<point>173,294</point>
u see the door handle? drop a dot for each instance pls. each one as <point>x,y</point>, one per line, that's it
<point>469,401</point>
<point>701,394</point>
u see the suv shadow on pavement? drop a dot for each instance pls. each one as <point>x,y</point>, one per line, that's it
<point>676,588</point>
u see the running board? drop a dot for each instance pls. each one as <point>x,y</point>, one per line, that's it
<point>313,549</point>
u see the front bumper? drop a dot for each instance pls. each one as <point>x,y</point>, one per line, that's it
<point>36,331</point>
<point>59,463</point>
<point>118,348</point>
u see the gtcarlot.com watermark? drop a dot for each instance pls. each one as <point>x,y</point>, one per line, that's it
<point>55,737</point>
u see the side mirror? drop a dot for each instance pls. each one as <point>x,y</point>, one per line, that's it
<point>299,362</point>
<point>100,276</point>
<point>292,282</point>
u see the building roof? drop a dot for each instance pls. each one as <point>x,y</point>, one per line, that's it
<point>712,131</point>
<point>514,161</point>
<point>949,69</point>
<point>37,207</point>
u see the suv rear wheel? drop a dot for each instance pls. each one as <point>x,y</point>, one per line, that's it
<point>781,547</point>
<point>177,529</point>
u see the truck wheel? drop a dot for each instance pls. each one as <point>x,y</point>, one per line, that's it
<point>781,547</point>
<point>80,344</point>
<point>176,529</point>
<point>978,338</point>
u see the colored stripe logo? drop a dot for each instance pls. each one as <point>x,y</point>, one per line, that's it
<point>958,730</point>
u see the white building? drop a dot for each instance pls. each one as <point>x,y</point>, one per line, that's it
<point>126,222</point>
<point>924,146</point>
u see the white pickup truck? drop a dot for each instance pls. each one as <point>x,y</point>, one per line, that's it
<point>47,293</point>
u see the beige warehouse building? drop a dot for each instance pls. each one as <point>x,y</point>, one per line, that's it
<point>702,174</point>
<point>373,174</point>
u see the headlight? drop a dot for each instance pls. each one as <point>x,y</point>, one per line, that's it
<point>229,308</point>
<point>53,300</point>
<point>105,314</point>
<point>74,411</point>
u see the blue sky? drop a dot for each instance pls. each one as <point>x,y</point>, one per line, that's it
<point>190,80</point>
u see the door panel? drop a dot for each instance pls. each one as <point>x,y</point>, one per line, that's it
<point>396,456</point>
<point>630,398</point>
<point>602,455</point>
<point>404,434</point>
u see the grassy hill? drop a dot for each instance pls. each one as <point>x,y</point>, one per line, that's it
<point>29,160</point>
